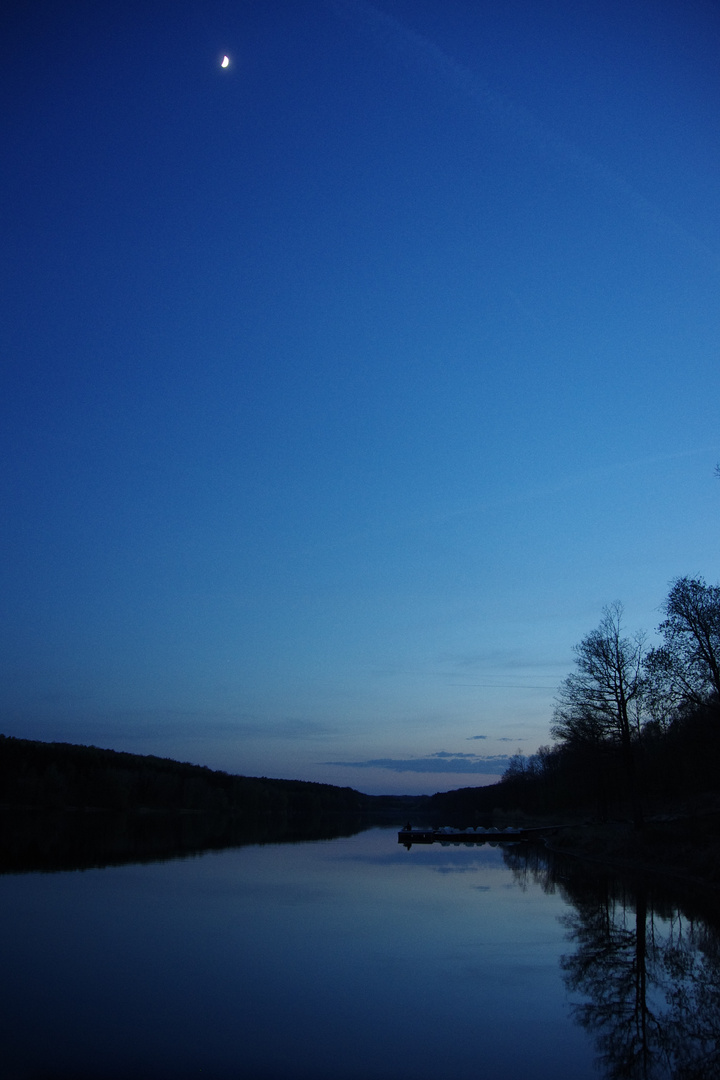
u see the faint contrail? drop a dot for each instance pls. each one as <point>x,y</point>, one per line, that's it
<point>543,491</point>
<point>391,32</point>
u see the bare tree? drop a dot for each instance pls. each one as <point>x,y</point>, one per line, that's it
<point>603,701</point>
<point>686,669</point>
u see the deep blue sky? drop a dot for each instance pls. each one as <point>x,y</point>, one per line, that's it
<point>341,388</point>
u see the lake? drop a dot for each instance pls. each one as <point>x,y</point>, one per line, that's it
<point>355,958</point>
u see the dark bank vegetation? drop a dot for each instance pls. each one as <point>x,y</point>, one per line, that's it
<point>62,776</point>
<point>65,776</point>
<point>637,738</point>
<point>65,806</point>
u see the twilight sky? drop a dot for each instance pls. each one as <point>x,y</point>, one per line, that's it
<point>342,387</point>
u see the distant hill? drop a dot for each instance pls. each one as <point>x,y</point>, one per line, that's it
<point>65,776</point>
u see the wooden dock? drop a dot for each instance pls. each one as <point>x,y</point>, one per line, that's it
<point>479,835</point>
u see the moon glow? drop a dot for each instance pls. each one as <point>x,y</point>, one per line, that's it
<point>225,62</point>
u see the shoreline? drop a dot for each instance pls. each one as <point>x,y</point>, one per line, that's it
<point>661,848</point>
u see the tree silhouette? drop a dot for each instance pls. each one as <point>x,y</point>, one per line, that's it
<point>685,670</point>
<point>602,701</point>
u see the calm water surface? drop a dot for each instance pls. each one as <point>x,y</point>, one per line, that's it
<point>350,958</point>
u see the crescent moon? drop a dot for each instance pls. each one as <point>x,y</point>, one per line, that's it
<point>225,62</point>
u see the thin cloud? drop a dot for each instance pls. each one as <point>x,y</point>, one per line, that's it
<point>447,754</point>
<point>442,762</point>
<point>506,686</point>
<point>151,723</point>
<point>499,738</point>
<point>457,869</point>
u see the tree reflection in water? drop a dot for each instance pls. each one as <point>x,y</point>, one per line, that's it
<point>646,963</point>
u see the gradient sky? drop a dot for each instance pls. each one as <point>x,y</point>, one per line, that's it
<point>342,387</point>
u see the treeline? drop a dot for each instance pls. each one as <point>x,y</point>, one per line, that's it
<point>635,728</point>
<point>63,776</point>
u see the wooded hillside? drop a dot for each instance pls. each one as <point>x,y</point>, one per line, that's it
<point>62,776</point>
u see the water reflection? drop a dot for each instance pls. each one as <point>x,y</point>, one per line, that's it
<point>344,959</point>
<point>42,840</point>
<point>646,965</point>
<point>350,959</point>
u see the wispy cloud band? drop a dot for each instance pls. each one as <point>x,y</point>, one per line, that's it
<point>442,762</point>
